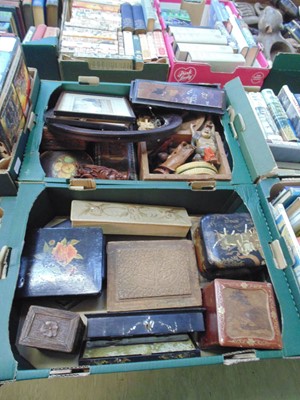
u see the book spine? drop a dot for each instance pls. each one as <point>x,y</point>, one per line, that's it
<point>138,19</point>
<point>246,32</point>
<point>29,35</point>
<point>39,32</point>
<point>128,43</point>
<point>127,17</point>
<point>264,117</point>
<point>230,40</point>
<point>159,44</point>
<point>291,107</point>
<point>121,49</point>
<point>51,31</point>
<point>138,55</point>
<point>286,231</point>
<point>237,34</point>
<point>145,47</point>
<point>149,14</point>
<point>217,12</point>
<point>151,45</point>
<point>279,115</point>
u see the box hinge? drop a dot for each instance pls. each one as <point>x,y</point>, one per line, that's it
<point>278,256</point>
<point>4,259</point>
<point>236,122</point>
<point>240,356</point>
<point>69,372</point>
<point>88,80</point>
<point>202,185</point>
<point>82,184</point>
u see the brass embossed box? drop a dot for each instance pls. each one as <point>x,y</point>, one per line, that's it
<point>51,329</point>
<point>240,314</point>
<point>152,274</point>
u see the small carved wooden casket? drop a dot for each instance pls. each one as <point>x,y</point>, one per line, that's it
<point>52,329</point>
<point>240,314</point>
<point>228,247</point>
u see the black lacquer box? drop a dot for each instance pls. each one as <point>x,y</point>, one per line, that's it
<point>62,262</point>
<point>227,246</point>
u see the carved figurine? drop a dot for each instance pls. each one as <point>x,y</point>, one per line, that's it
<point>269,25</point>
<point>205,144</point>
<point>176,158</point>
<point>98,172</point>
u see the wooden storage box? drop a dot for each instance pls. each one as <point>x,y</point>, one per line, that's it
<point>224,171</point>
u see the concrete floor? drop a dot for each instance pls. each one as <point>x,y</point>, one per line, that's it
<point>257,380</point>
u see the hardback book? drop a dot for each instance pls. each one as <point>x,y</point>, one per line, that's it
<point>218,12</point>
<point>15,7</point>
<point>197,35</point>
<point>237,34</point>
<point>150,322</point>
<point>286,195</point>
<point>128,43</point>
<point>39,32</point>
<point>62,262</point>
<point>39,11</point>
<point>146,53</point>
<point>183,50</point>
<point>240,314</point>
<point>219,62</point>
<point>138,19</point>
<point>253,48</point>
<point>291,106</point>
<point>159,43</point>
<point>27,13</point>
<point>29,34</point>
<point>228,246</point>
<point>131,219</point>
<point>151,46</point>
<point>137,349</point>
<point>52,329</point>
<point>51,31</point>
<point>138,55</point>
<point>152,274</point>
<point>264,117</point>
<point>286,231</point>
<point>127,17</point>
<point>293,213</point>
<point>52,14</point>
<point>149,14</point>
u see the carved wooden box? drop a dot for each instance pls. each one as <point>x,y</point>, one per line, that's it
<point>52,329</point>
<point>240,314</point>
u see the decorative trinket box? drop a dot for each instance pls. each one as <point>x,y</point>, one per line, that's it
<point>227,246</point>
<point>61,262</point>
<point>163,322</point>
<point>240,314</point>
<point>152,274</point>
<point>131,219</point>
<point>116,351</point>
<point>52,329</point>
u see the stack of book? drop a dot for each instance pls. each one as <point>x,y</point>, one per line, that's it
<point>224,40</point>
<point>112,36</point>
<point>278,117</point>
<point>11,18</point>
<point>14,92</point>
<point>286,211</point>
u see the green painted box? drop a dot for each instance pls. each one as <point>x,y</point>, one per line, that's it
<point>32,170</point>
<point>38,203</point>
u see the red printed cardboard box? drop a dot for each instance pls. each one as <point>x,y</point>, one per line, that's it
<point>195,72</point>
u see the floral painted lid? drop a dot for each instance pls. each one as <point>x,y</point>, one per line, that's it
<point>62,262</point>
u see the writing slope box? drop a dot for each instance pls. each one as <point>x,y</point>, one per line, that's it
<point>195,72</point>
<point>61,262</point>
<point>10,167</point>
<point>52,329</point>
<point>144,323</point>
<point>38,203</point>
<point>227,246</point>
<point>240,314</point>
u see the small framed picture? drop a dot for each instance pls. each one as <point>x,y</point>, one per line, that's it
<point>97,106</point>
